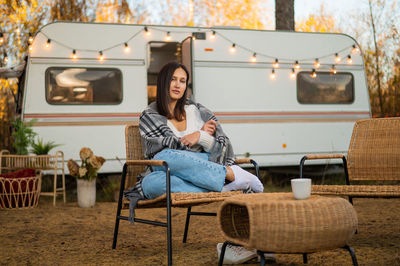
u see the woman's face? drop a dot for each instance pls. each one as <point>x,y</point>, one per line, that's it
<point>178,84</point>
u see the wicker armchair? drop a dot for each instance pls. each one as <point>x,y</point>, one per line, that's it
<point>373,155</point>
<point>55,163</point>
<point>135,164</point>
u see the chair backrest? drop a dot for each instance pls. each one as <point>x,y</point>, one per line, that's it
<point>11,162</point>
<point>374,151</point>
<point>134,151</point>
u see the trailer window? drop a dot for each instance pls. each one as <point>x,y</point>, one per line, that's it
<point>325,88</point>
<point>83,85</point>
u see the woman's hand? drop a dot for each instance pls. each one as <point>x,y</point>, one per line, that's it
<point>191,139</point>
<point>210,127</point>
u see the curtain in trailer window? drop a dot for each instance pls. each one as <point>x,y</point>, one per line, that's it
<point>325,88</point>
<point>79,85</point>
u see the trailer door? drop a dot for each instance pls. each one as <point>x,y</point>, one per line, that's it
<point>187,61</point>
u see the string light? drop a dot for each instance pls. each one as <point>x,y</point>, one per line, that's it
<point>148,33</point>
<point>212,36</point>
<point>337,58</point>
<point>233,48</point>
<point>101,56</point>
<point>48,43</point>
<point>1,38</point>
<point>333,69</point>
<point>349,60</point>
<point>5,58</point>
<point>74,55</point>
<point>193,37</point>
<point>253,58</point>
<point>316,63</point>
<point>293,74</point>
<point>168,36</point>
<point>354,49</point>
<point>276,63</point>
<point>126,48</point>
<point>296,65</point>
<point>273,75</point>
<point>30,40</point>
<point>313,74</point>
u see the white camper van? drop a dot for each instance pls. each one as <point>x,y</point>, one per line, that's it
<point>279,95</point>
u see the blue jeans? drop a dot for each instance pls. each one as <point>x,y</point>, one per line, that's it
<point>190,172</point>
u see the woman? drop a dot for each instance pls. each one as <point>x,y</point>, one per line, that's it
<point>190,139</point>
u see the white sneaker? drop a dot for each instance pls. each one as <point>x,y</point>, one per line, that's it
<point>235,254</point>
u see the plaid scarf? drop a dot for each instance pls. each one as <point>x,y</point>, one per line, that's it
<point>156,135</point>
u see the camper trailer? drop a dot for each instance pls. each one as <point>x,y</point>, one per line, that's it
<point>279,95</point>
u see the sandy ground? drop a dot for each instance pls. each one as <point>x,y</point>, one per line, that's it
<point>69,235</point>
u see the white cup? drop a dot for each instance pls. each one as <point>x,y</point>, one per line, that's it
<point>301,188</point>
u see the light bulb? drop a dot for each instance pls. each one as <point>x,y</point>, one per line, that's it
<point>168,37</point>
<point>296,65</point>
<point>355,49</point>
<point>333,69</point>
<point>212,36</point>
<point>253,58</point>
<point>349,60</point>
<point>30,47</point>
<point>1,38</point>
<point>126,48</point>
<point>5,58</point>
<point>276,63</point>
<point>101,56</point>
<point>148,33</point>
<point>30,40</point>
<point>313,74</point>
<point>293,74</point>
<point>48,43</point>
<point>316,63</point>
<point>233,48</point>
<point>74,55</point>
<point>273,75</point>
<point>337,58</point>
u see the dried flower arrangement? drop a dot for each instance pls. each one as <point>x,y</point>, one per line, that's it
<point>89,166</point>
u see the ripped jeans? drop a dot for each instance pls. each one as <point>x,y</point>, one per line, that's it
<point>190,172</point>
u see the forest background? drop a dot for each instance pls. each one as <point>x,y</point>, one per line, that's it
<point>375,28</point>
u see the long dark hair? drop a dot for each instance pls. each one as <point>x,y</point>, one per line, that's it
<point>163,98</point>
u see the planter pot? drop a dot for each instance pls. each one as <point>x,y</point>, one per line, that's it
<point>86,193</point>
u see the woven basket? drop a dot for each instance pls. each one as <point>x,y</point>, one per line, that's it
<point>23,192</point>
<point>276,222</point>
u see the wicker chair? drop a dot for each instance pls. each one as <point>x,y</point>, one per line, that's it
<point>55,163</point>
<point>135,164</point>
<point>373,155</point>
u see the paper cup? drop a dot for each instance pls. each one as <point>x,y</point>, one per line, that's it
<point>301,188</point>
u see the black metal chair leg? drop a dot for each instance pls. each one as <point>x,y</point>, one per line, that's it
<point>187,224</point>
<point>305,259</point>
<point>169,221</point>
<point>222,255</point>
<point>352,254</point>
<point>262,258</point>
<point>121,191</point>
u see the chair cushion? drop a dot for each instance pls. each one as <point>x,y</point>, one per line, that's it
<point>27,172</point>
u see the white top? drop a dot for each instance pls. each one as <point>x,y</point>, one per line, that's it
<point>194,123</point>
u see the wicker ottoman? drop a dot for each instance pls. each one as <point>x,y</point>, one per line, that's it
<point>278,223</point>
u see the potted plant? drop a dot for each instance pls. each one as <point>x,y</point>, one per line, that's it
<point>42,148</point>
<point>23,135</point>
<point>86,175</point>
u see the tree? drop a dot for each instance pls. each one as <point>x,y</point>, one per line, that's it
<point>284,15</point>
<point>322,22</point>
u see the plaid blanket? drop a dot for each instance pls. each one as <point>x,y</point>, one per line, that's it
<point>156,135</point>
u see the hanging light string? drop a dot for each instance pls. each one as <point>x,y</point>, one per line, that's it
<point>290,60</point>
<point>232,45</point>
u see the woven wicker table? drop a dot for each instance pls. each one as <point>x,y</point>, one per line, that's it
<point>278,223</point>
